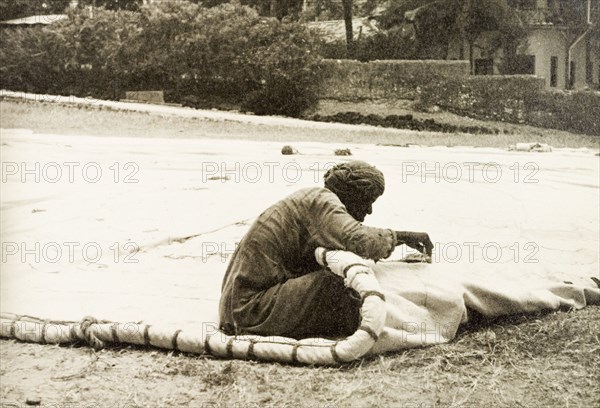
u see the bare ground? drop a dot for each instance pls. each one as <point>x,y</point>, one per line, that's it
<point>93,120</point>
<point>539,360</point>
<point>543,360</point>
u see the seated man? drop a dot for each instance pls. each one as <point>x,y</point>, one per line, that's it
<point>273,285</point>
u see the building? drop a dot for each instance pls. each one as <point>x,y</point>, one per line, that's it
<point>562,44</point>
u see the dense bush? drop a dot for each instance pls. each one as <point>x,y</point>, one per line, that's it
<point>80,56</point>
<point>384,45</point>
<point>193,53</point>
<point>282,80</point>
<point>577,111</point>
<point>131,5</point>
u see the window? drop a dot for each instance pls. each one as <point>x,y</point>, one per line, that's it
<point>484,66</point>
<point>554,71</point>
<point>524,65</point>
<point>572,71</point>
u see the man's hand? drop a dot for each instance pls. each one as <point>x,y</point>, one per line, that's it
<point>417,240</point>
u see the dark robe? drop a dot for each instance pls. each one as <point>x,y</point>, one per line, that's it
<point>273,284</point>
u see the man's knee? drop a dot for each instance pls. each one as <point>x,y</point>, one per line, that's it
<point>325,283</point>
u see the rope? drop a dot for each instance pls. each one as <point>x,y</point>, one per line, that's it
<point>99,333</point>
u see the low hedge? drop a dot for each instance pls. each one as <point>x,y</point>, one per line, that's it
<point>490,97</point>
<point>394,79</point>
<point>577,111</point>
<point>517,99</point>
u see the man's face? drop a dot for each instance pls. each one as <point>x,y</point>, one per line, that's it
<point>359,209</point>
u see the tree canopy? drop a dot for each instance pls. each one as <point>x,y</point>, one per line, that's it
<point>129,5</point>
<point>439,22</point>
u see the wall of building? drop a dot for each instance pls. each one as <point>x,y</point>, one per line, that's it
<point>578,56</point>
<point>543,43</point>
<point>546,43</point>
<point>595,56</point>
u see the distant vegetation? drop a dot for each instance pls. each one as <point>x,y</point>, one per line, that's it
<point>190,51</point>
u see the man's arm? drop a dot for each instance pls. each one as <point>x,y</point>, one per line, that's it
<point>332,227</point>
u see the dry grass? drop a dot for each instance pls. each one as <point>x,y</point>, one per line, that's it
<point>537,360</point>
<point>49,117</point>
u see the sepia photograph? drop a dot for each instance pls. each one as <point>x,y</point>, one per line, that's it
<point>299,203</point>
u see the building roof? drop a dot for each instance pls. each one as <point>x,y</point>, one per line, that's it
<point>33,20</point>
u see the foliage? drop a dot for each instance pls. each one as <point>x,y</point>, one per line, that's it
<point>393,14</point>
<point>384,45</point>
<point>282,69</point>
<point>227,52</point>
<point>324,10</point>
<point>129,5</point>
<point>280,9</point>
<point>438,22</point>
<point>32,59</point>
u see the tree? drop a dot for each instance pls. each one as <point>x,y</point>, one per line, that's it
<point>347,6</point>
<point>129,5</point>
<point>495,16</point>
<point>324,10</point>
<point>280,9</point>
<point>439,22</point>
